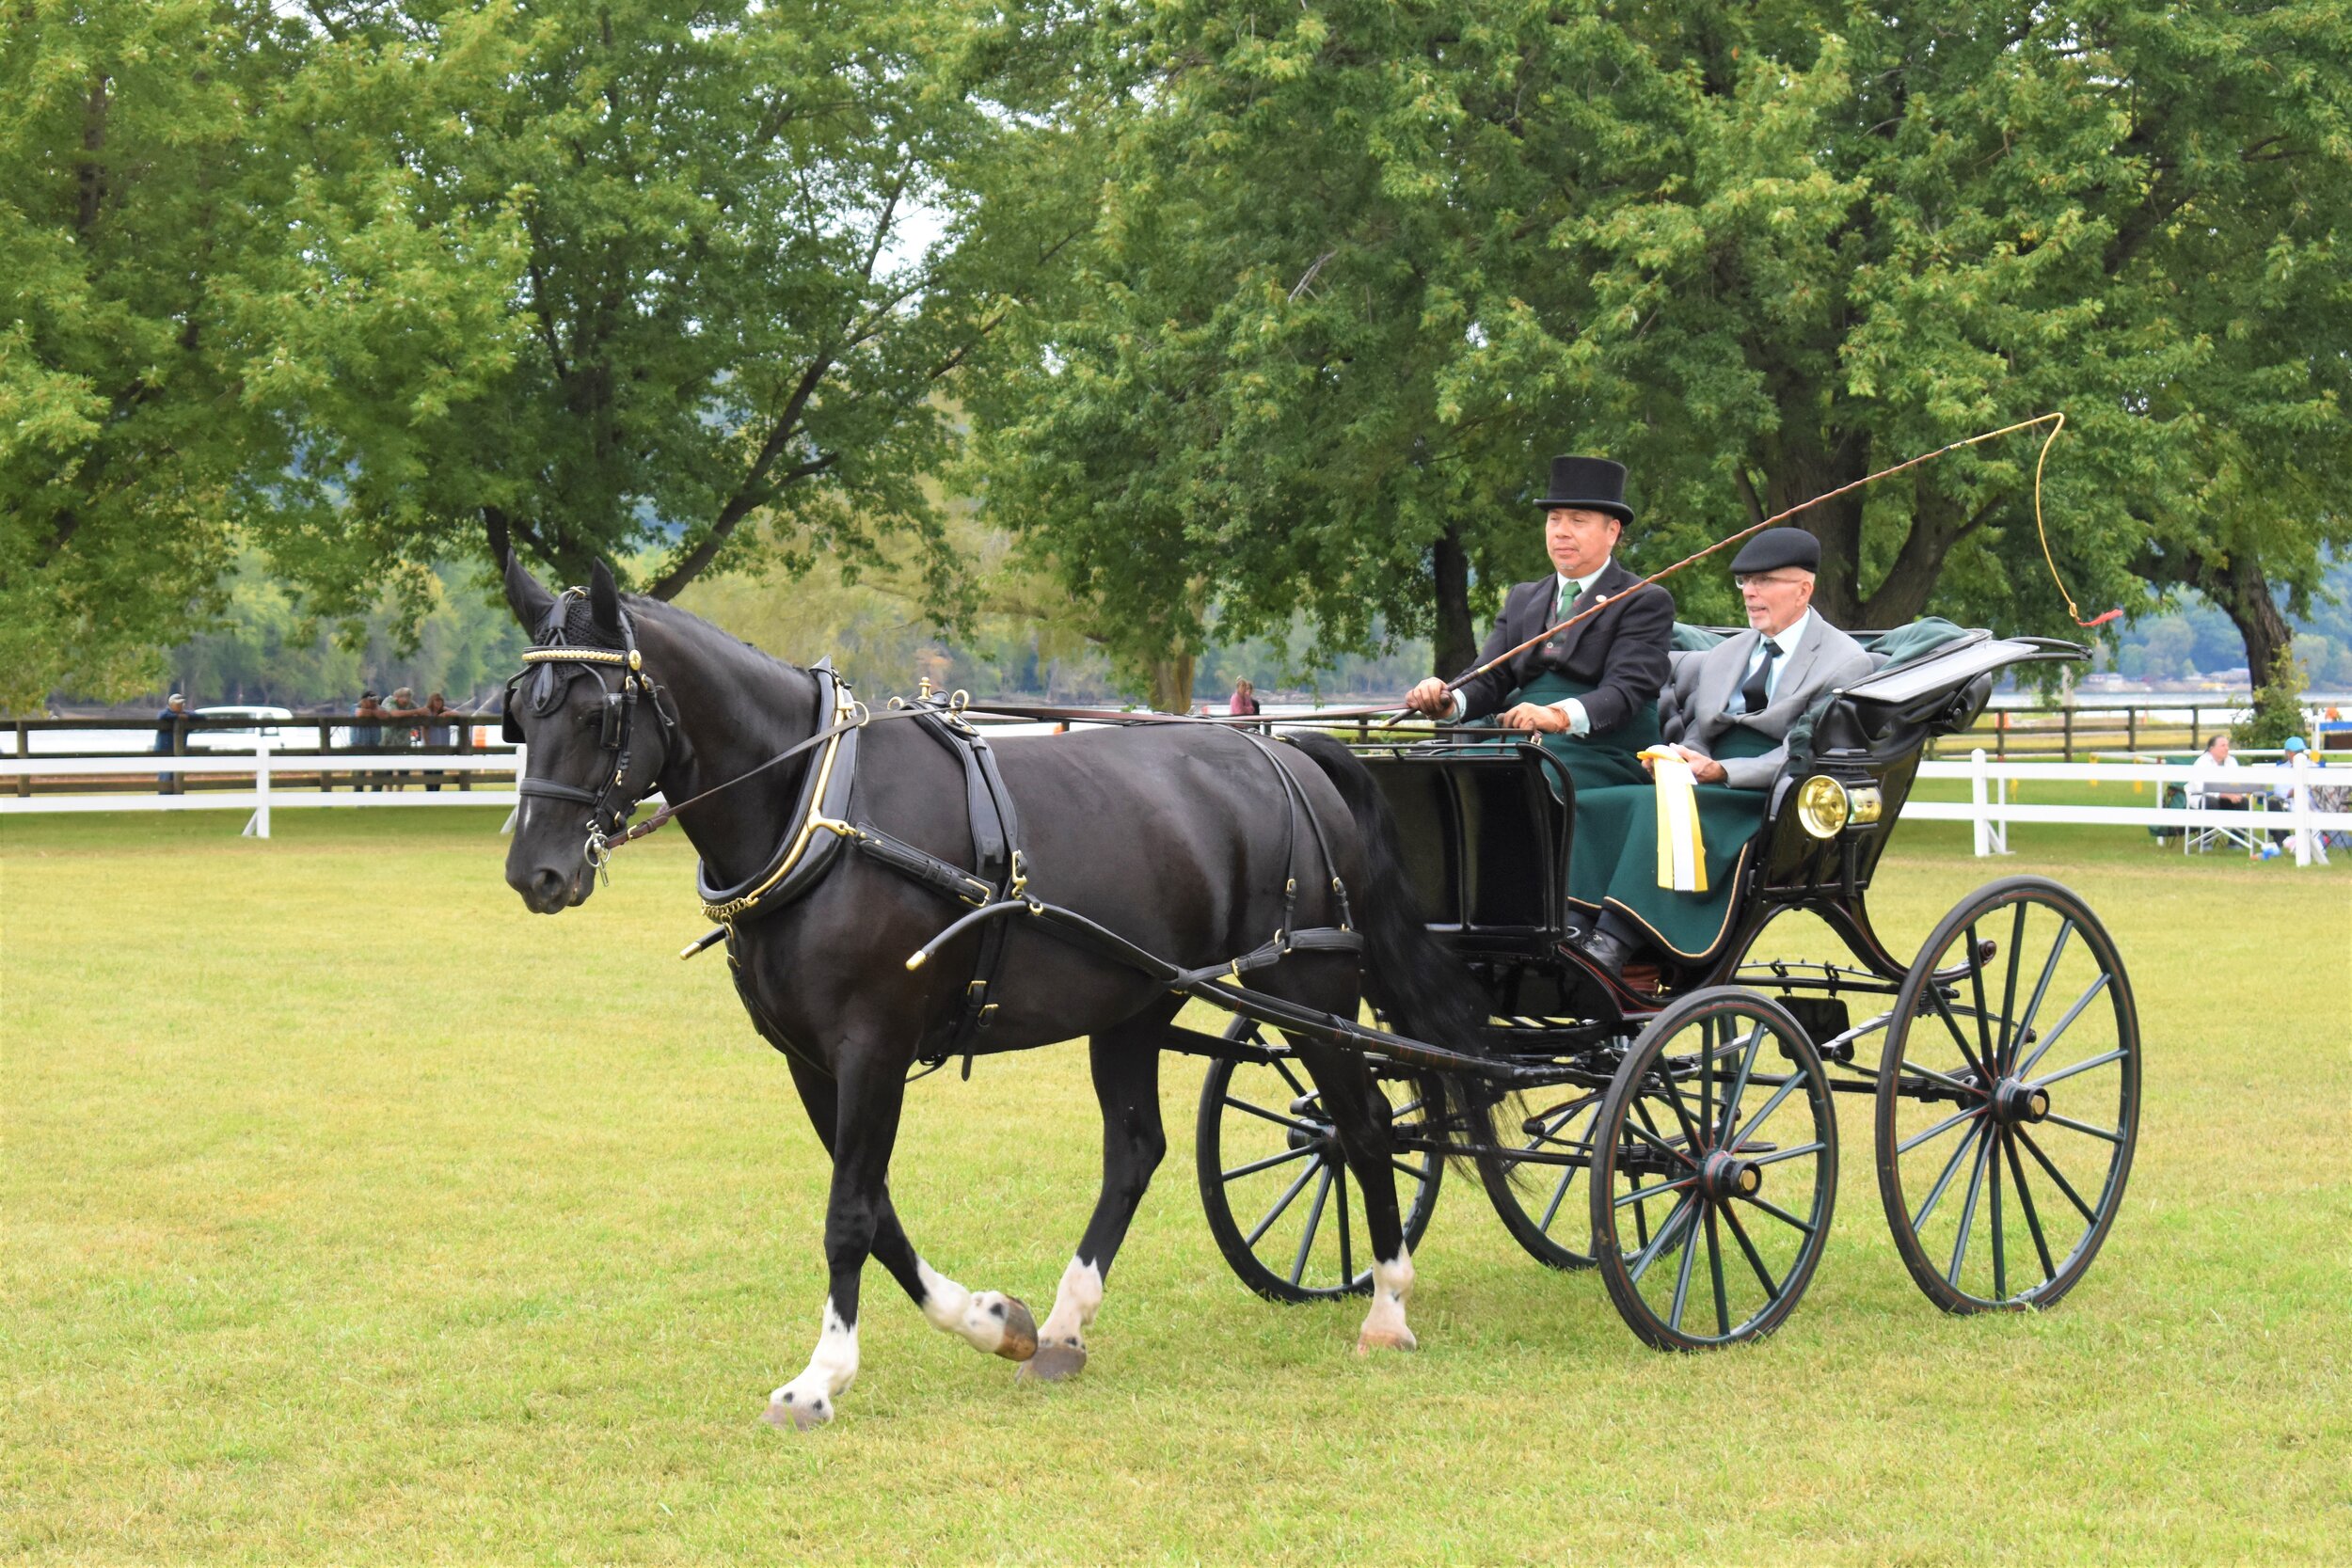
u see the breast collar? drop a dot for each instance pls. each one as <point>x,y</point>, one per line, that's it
<point>818,820</point>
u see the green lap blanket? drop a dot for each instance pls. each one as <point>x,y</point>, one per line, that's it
<point>1595,761</point>
<point>1614,856</point>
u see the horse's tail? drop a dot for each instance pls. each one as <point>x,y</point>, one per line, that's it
<point>1409,975</point>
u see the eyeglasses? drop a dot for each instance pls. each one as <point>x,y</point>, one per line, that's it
<point>1765,580</point>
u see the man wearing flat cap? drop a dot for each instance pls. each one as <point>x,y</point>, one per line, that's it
<point>1590,693</point>
<point>1727,712</point>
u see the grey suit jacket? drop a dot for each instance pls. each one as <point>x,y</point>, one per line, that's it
<point>1704,684</point>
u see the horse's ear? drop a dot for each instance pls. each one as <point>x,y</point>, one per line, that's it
<point>604,600</point>
<point>525,596</point>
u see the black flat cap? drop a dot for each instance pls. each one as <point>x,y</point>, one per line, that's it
<point>1776,548</point>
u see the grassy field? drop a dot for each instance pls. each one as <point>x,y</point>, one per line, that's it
<point>352,1214</point>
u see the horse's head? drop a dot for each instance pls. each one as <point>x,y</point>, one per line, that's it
<point>598,731</point>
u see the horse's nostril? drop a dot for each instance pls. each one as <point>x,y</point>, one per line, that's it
<point>549,886</point>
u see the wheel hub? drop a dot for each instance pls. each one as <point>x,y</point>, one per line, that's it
<point>2015,1101</point>
<point>1724,1177</point>
<point>1309,1108</point>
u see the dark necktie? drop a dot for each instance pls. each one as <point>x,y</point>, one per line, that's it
<point>1753,695</point>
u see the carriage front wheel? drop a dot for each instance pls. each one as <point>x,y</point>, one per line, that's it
<point>2008,1098</point>
<point>1285,1210</point>
<point>1714,1171</point>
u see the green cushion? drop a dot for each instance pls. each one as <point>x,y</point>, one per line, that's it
<point>1889,649</point>
<point>1915,641</point>
<point>1695,639</point>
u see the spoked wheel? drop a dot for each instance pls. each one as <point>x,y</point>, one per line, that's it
<point>2008,1099</point>
<point>1285,1210</point>
<point>1543,1205</point>
<point>1714,1171</point>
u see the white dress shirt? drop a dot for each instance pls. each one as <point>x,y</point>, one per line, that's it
<point>1786,640</point>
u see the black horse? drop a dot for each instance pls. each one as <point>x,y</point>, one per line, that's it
<point>1181,838</point>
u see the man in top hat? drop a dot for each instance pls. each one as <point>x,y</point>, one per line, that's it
<point>1590,693</point>
<point>1729,712</point>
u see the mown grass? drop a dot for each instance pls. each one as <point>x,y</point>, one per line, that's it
<point>352,1214</point>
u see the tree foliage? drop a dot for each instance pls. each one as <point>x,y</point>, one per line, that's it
<point>382,283</point>
<point>1359,267</point>
<point>128,203</point>
<point>694,265</point>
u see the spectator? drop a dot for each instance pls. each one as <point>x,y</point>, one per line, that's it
<point>169,729</point>
<point>1244,700</point>
<point>367,737</point>
<point>401,737</point>
<point>437,735</point>
<point>2296,765</point>
<point>2213,765</point>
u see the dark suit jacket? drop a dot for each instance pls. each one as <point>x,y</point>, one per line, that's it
<point>1621,652</point>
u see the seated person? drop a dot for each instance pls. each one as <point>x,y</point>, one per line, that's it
<point>1590,694</point>
<point>1729,712</point>
<point>2206,777</point>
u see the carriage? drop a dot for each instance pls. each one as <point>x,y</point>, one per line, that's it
<point>2002,1062</point>
<point>1684,1142</point>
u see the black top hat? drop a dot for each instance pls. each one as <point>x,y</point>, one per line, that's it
<point>1594,484</point>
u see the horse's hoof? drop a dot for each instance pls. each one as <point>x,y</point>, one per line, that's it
<point>1053,1363</point>
<point>1020,1341</point>
<point>789,1410</point>
<point>1379,1340</point>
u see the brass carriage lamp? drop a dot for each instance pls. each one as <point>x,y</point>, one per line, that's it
<point>1827,807</point>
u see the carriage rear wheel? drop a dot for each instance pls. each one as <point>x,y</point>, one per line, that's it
<point>2008,1098</point>
<point>1714,1171</point>
<point>1285,1210</point>
<point>1542,1205</point>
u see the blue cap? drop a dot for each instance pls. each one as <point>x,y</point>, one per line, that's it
<point>2294,743</point>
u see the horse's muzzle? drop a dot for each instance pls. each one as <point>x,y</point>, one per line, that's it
<point>547,890</point>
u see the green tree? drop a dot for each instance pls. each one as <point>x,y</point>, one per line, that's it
<point>702,265</point>
<point>128,181</point>
<point>1360,266</point>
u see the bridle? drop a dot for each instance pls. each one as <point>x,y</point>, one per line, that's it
<point>609,805</point>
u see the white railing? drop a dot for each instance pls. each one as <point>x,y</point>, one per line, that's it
<point>263,763</point>
<point>1986,809</point>
<point>1989,814</point>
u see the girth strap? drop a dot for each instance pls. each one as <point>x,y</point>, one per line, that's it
<point>996,865</point>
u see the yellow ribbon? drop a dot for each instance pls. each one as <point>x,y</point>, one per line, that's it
<point>1681,849</point>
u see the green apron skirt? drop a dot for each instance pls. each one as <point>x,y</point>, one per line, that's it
<point>1595,761</point>
<point>1614,857</point>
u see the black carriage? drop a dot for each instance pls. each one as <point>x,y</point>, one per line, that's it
<point>2002,1060</point>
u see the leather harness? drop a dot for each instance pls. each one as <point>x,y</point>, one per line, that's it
<point>820,827</point>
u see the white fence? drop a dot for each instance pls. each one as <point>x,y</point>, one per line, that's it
<point>263,763</point>
<point>2303,815</point>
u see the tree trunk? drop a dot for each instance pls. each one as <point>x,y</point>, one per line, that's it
<point>1801,464</point>
<point>1456,635</point>
<point>1171,683</point>
<point>2236,586</point>
<point>1937,524</point>
<point>2242,593</point>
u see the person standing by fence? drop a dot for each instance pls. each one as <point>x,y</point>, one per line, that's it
<point>366,735</point>
<point>170,726</point>
<point>438,733</point>
<point>402,737</point>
